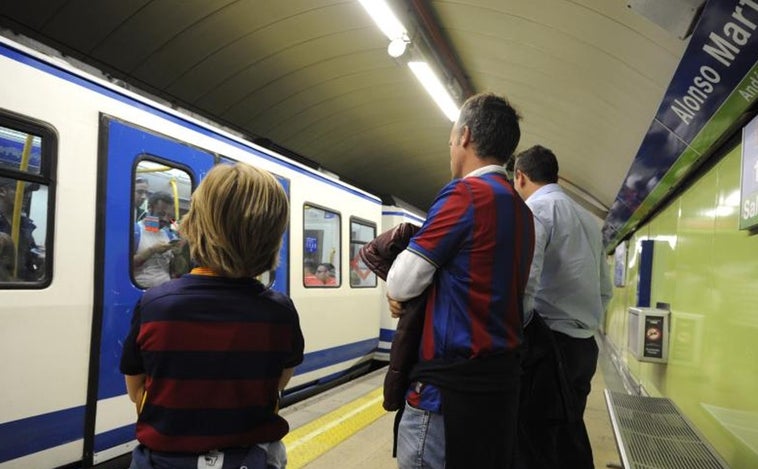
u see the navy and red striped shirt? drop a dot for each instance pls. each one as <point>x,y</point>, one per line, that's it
<point>213,350</point>
<point>480,236</point>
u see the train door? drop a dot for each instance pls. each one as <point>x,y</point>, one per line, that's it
<point>145,181</point>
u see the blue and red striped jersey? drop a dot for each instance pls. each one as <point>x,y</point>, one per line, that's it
<point>480,236</point>
<point>213,350</point>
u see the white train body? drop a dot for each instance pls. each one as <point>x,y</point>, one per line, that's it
<point>63,400</point>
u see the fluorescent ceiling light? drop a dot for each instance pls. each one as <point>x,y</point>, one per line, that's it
<point>384,18</point>
<point>391,26</point>
<point>435,88</point>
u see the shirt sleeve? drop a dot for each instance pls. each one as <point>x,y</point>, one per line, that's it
<point>409,276</point>
<point>447,226</point>
<point>131,359</point>
<point>298,342</point>
<point>542,213</point>
<point>535,271</point>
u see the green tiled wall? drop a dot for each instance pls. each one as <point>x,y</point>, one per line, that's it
<point>707,271</point>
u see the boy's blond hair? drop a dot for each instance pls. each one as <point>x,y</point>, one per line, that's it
<point>236,220</point>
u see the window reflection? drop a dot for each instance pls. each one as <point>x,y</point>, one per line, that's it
<point>360,274</point>
<point>161,195</point>
<point>23,209</point>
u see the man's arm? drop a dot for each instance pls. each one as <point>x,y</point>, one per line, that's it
<point>140,257</point>
<point>285,378</point>
<point>409,276</point>
<point>535,271</point>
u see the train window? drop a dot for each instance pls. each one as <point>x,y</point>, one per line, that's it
<point>321,249</point>
<point>161,195</point>
<point>360,234</point>
<point>25,213</point>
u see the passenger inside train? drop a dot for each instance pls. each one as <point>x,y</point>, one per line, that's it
<point>141,193</point>
<point>154,242</point>
<point>325,273</point>
<point>26,259</point>
<point>7,257</point>
<point>309,274</point>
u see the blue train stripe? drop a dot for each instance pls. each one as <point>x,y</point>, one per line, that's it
<point>30,435</point>
<point>25,58</point>
<point>115,437</point>
<point>327,357</point>
<point>386,335</point>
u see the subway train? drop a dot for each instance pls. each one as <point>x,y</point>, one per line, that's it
<point>78,156</point>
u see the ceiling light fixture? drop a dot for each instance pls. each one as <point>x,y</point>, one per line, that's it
<point>397,47</point>
<point>385,19</point>
<point>435,88</point>
<point>391,26</point>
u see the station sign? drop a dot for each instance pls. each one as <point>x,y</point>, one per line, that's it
<point>715,83</point>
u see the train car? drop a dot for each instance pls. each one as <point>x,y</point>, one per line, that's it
<point>78,154</point>
<point>394,212</point>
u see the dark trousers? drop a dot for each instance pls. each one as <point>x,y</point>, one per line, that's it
<point>484,439</point>
<point>572,441</point>
<point>557,371</point>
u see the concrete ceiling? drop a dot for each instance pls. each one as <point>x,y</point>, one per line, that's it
<point>313,76</point>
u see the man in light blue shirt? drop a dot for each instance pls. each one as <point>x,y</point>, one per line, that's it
<point>571,291</point>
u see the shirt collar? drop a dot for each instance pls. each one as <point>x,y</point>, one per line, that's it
<point>490,168</point>
<point>546,189</point>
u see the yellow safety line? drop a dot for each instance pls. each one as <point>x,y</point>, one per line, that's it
<point>306,443</point>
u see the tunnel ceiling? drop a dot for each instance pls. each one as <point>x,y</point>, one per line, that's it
<point>313,77</point>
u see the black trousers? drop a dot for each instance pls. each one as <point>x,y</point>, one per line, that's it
<point>557,372</point>
<point>572,442</point>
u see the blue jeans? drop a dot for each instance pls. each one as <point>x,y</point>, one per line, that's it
<point>420,440</point>
<point>262,456</point>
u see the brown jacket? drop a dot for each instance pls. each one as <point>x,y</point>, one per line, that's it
<point>378,255</point>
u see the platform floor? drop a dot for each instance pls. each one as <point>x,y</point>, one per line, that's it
<point>346,427</point>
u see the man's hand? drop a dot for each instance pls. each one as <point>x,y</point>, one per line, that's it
<point>161,248</point>
<point>396,307</point>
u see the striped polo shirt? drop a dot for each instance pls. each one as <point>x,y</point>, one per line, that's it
<point>480,236</point>
<point>213,350</point>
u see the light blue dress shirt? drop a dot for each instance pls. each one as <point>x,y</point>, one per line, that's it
<point>573,287</point>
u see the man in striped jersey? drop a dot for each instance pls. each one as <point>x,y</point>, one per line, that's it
<point>471,259</point>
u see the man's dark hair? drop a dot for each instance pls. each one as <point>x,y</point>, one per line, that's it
<point>493,124</point>
<point>160,196</point>
<point>539,164</point>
